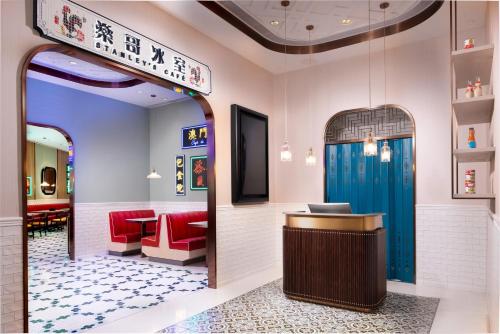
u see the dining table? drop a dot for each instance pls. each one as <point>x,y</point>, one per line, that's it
<point>202,224</point>
<point>143,221</point>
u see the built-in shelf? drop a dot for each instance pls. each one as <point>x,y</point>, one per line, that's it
<point>480,154</point>
<point>470,63</point>
<point>474,110</point>
<point>474,196</point>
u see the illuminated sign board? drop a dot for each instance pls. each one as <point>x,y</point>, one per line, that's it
<point>68,22</point>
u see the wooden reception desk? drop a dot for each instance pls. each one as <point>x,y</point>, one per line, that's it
<point>335,259</point>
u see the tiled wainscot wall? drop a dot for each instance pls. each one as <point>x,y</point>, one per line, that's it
<point>451,243</point>
<point>11,284</point>
<point>92,221</point>
<point>492,272</point>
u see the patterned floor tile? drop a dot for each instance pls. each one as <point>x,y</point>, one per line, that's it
<point>266,309</point>
<point>73,296</point>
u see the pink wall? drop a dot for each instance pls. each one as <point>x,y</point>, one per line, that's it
<point>418,79</point>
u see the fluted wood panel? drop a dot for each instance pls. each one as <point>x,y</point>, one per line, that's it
<point>339,268</point>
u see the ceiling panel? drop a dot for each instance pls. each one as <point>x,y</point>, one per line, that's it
<point>46,136</point>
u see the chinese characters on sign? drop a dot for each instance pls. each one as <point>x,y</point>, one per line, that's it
<point>199,173</point>
<point>194,136</point>
<point>71,23</point>
<point>179,175</point>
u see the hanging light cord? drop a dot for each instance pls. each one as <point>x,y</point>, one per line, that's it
<point>385,70</point>
<point>369,56</point>
<point>309,88</point>
<point>286,86</point>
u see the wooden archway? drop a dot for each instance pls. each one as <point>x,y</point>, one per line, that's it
<point>109,64</point>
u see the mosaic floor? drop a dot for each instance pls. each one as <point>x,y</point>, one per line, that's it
<point>266,309</point>
<point>72,296</point>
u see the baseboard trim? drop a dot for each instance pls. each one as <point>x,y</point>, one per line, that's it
<point>177,262</point>
<point>125,253</point>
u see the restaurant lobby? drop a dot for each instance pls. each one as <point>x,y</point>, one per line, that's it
<point>249,166</point>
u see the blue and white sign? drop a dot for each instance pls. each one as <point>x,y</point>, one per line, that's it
<point>194,136</point>
<point>68,22</point>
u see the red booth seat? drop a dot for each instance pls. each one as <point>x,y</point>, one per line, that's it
<point>177,242</point>
<point>47,206</point>
<point>126,236</point>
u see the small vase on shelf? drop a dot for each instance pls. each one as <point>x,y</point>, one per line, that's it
<point>478,89</point>
<point>470,181</point>
<point>469,43</point>
<point>471,141</point>
<point>469,91</point>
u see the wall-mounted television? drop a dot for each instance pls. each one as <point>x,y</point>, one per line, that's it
<point>249,156</point>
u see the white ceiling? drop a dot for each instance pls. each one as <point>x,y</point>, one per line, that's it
<point>47,136</point>
<point>326,16</point>
<point>68,64</point>
<point>471,15</point>
<point>144,95</point>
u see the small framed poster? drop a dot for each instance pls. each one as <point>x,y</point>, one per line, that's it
<point>180,190</point>
<point>198,172</point>
<point>194,136</point>
<point>29,186</point>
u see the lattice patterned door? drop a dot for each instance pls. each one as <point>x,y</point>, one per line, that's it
<point>373,186</point>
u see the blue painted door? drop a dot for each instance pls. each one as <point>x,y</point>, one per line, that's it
<point>373,186</point>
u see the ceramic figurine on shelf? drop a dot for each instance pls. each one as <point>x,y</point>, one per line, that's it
<point>471,141</point>
<point>470,181</point>
<point>469,43</point>
<point>469,91</point>
<point>478,89</point>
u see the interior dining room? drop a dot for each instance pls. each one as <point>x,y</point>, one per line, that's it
<point>99,253</point>
<point>249,166</point>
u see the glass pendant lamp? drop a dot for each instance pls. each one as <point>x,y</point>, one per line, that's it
<point>385,152</point>
<point>310,157</point>
<point>285,153</point>
<point>370,146</point>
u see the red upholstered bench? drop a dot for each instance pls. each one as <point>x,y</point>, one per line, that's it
<point>175,241</point>
<point>57,220</point>
<point>126,236</point>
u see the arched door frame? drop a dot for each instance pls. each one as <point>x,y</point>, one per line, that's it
<point>71,223</point>
<point>413,136</point>
<point>106,63</point>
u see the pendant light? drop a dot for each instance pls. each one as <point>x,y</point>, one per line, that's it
<point>310,157</point>
<point>385,155</point>
<point>370,145</point>
<point>286,153</point>
<point>153,175</point>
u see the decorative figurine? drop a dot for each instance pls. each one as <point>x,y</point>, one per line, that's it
<point>470,181</point>
<point>478,90</point>
<point>469,43</point>
<point>471,141</point>
<point>469,91</point>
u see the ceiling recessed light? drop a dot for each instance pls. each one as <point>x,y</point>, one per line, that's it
<point>274,22</point>
<point>139,91</point>
<point>346,21</point>
<point>71,62</point>
<point>153,95</point>
<point>44,138</point>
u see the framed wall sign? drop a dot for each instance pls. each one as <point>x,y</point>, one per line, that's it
<point>68,22</point>
<point>198,172</point>
<point>194,136</point>
<point>180,190</point>
<point>29,186</point>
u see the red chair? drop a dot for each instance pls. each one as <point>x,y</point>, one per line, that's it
<point>175,241</point>
<point>125,235</point>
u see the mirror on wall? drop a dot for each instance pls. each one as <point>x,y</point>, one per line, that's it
<point>48,178</point>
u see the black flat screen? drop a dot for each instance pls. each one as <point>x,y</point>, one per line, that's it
<point>250,174</point>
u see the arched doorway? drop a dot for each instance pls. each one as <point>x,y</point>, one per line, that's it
<point>142,77</point>
<point>371,185</point>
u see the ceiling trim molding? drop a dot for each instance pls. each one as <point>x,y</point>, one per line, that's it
<point>81,80</point>
<point>236,22</point>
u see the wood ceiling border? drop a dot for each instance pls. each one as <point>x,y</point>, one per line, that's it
<point>230,18</point>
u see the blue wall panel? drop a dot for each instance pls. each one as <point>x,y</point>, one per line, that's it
<point>373,186</point>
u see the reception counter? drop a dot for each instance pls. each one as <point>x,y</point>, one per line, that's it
<point>335,259</point>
